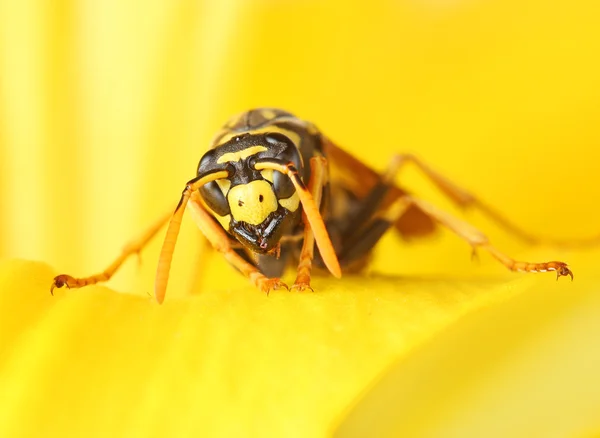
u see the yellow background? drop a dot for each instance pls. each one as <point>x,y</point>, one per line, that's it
<point>106,108</point>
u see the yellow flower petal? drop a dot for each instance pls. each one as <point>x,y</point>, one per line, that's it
<point>230,362</point>
<point>527,366</point>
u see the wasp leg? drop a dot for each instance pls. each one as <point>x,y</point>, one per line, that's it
<point>462,229</point>
<point>477,239</point>
<point>166,253</point>
<point>356,245</point>
<point>369,206</point>
<point>464,199</point>
<point>318,179</point>
<point>220,242</point>
<point>133,247</point>
<point>310,212</point>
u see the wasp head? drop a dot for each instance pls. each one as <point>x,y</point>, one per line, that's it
<point>257,207</point>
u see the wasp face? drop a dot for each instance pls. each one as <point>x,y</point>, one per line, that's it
<point>255,207</point>
<point>257,219</point>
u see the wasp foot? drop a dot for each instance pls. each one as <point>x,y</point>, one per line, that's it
<point>301,286</point>
<point>562,270</point>
<point>270,284</point>
<point>62,280</point>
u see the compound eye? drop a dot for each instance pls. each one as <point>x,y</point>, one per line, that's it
<point>282,185</point>
<point>214,194</point>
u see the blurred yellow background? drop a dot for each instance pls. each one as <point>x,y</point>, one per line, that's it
<point>107,106</point>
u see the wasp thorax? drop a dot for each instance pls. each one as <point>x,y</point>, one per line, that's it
<point>252,202</point>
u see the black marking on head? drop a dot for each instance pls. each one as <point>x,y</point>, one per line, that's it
<point>265,236</point>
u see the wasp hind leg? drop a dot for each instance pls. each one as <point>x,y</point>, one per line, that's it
<point>465,199</point>
<point>372,221</point>
<point>133,247</point>
<point>354,246</point>
<point>365,240</point>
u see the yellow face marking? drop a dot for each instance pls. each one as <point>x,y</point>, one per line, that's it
<point>241,155</point>
<point>223,220</point>
<point>267,174</point>
<point>224,185</point>
<point>290,203</point>
<point>252,202</point>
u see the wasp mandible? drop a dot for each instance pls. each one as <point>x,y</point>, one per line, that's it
<point>264,196</point>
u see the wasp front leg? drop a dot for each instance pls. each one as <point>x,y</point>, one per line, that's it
<point>221,242</point>
<point>133,247</point>
<point>318,179</point>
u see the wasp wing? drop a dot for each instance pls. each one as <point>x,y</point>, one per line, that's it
<point>360,179</point>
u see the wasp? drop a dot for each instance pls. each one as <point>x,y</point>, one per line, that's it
<point>272,186</point>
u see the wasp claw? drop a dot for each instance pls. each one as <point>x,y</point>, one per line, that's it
<point>60,281</point>
<point>563,272</point>
<point>301,287</point>
<point>272,284</point>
